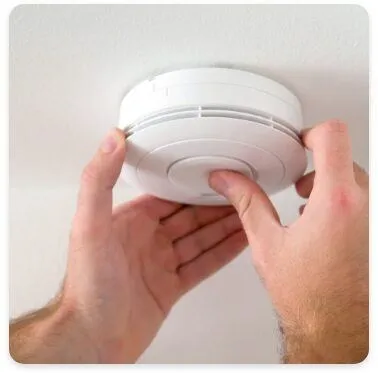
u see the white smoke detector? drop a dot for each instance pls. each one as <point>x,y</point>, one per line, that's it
<point>184,124</point>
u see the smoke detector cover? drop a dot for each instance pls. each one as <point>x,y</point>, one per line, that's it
<point>184,124</point>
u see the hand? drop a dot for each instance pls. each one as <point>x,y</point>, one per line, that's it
<point>127,267</point>
<point>316,270</point>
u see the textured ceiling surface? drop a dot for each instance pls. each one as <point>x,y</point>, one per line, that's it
<point>71,65</point>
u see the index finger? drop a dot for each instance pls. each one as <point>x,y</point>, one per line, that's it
<point>332,153</point>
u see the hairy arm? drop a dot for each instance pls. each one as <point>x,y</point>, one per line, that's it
<point>52,334</point>
<point>325,339</point>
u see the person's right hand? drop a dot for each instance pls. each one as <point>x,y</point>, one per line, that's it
<point>315,270</point>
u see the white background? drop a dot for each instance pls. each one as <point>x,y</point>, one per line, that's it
<point>70,67</point>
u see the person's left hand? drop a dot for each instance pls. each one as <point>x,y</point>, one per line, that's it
<point>128,266</point>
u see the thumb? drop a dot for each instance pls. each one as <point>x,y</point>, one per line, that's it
<point>258,216</point>
<point>94,208</point>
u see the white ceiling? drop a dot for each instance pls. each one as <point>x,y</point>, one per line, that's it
<point>71,65</point>
<point>69,69</point>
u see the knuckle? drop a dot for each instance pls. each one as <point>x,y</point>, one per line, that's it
<point>333,126</point>
<point>89,174</point>
<point>344,198</point>
<point>244,203</point>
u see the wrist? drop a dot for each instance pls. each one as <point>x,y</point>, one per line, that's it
<point>49,335</point>
<point>325,337</point>
<point>68,336</point>
<point>104,346</point>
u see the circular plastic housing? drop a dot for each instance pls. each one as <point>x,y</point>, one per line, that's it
<point>184,124</point>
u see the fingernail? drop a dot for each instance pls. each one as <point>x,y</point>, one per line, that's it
<point>218,182</point>
<point>110,142</point>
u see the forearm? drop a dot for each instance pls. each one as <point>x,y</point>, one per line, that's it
<point>339,339</point>
<point>50,335</point>
<point>301,349</point>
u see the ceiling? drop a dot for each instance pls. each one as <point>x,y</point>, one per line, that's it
<point>70,66</point>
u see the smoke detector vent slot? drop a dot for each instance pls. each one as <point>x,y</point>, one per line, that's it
<point>211,111</point>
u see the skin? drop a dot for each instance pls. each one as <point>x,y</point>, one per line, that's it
<point>317,269</point>
<point>126,269</point>
<point>128,266</point>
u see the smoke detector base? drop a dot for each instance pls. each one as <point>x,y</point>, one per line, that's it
<point>184,124</point>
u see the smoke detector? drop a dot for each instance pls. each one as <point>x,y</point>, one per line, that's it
<point>182,125</point>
